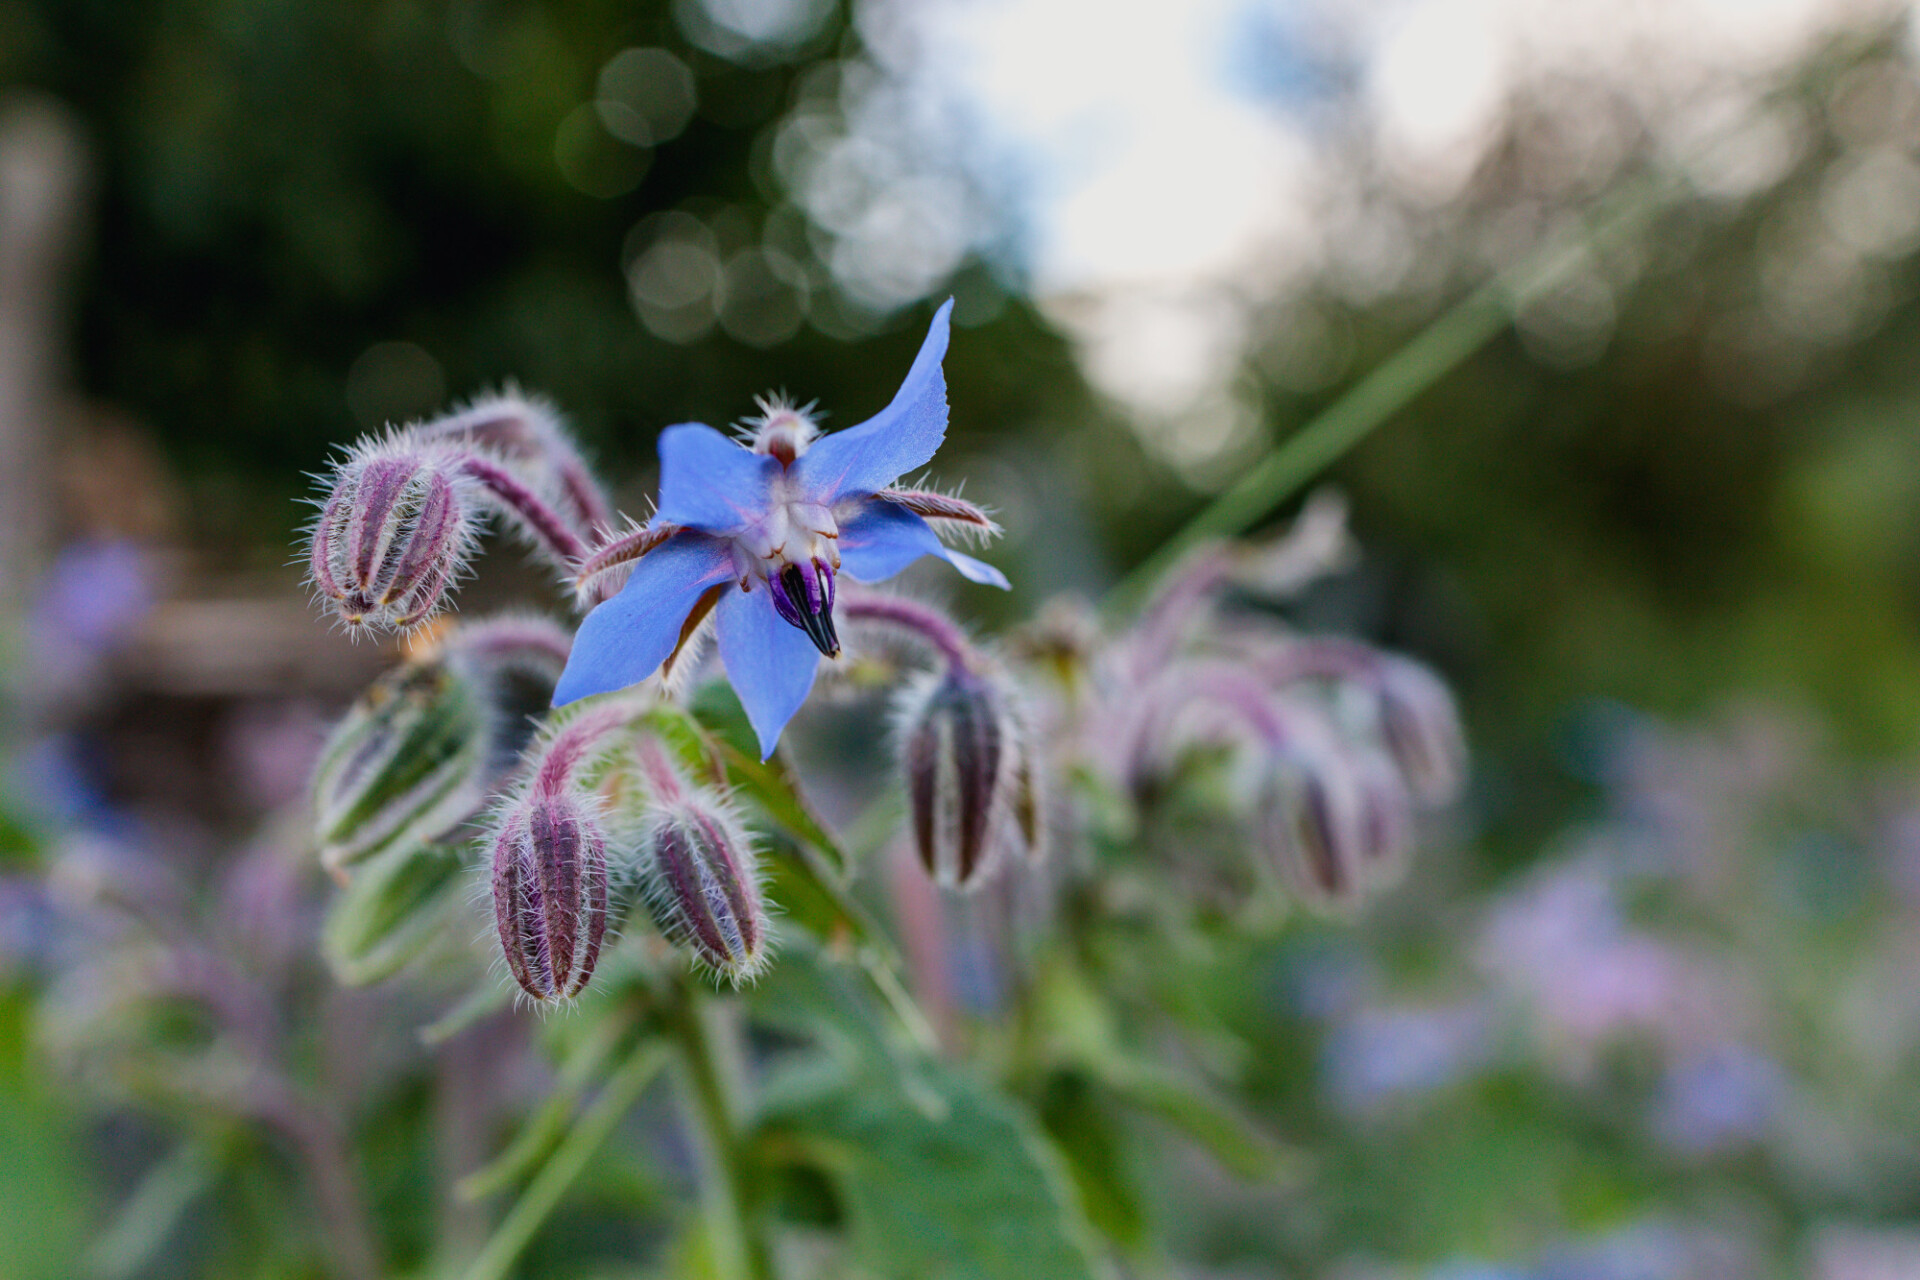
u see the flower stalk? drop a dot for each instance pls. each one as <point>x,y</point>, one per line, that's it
<point>710,1098</point>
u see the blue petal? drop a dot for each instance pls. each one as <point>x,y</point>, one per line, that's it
<point>883,538</point>
<point>770,662</point>
<point>625,639</point>
<point>900,438</point>
<point>709,482</point>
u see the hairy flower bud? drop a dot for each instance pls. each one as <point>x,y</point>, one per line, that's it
<point>550,893</point>
<point>970,787</point>
<point>393,535</point>
<point>702,886</point>
<point>1420,729</point>
<point>404,766</point>
<point>395,906</point>
<point>419,751</point>
<point>1313,822</point>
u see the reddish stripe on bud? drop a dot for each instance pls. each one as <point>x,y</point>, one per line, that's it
<point>968,785</point>
<point>703,888</point>
<point>391,537</point>
<point>550,894</point>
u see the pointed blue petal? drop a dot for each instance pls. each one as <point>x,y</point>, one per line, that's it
<point>900,438</point>
<point>770,662</point>
<point>625,639</point>
<point>709,482</point>
<point>883,538</point>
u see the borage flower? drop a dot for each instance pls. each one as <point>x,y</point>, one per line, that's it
<point>757,533</point>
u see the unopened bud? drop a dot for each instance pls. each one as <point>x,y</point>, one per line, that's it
<point>702,886</point>
<point>1386,818</point>
<point>550,893</point>
<point>1420,729</point>
<point>397,904</point>
<point>419,751</point>
<point>392,536</point>
<point>1312,822</point>
<point>405,766</point>
<point>971,791</point>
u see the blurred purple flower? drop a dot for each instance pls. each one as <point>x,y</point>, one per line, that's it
<point>93,595</point>
<point>1379,1054</point>
<point>1865,1253</point>
<point>1723,1097</point>
<point>779,518</point>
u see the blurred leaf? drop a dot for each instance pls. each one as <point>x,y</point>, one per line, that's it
<point>1082,1036</point>
<point>154,1209</point>
<point>547,1126</point>
<point>1083,1128</point>
<point>491,996</point>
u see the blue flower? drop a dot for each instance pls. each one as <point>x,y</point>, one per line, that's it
<point>761,530</point>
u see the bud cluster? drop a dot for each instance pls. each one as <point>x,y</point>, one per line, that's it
<point>603,819</point>
<point>1333,746</point>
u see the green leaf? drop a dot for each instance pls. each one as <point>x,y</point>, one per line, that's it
<point>547,1126</point>
<point>1083,1038</point>
<point>1083,1127</point>
<point>152,1213</point>
<point>770,784</point>
<point>940,1176</point>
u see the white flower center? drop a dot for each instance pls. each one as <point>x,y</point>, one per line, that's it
<point>794,531</point>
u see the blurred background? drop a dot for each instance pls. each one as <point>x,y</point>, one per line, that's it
<point>1650,1008</point>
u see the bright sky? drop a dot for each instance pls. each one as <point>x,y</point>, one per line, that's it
<point>1154,173</point>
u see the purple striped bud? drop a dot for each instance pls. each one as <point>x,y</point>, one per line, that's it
<point>970,787</point>
<point>1420,729</point>
<point>1386,818</point>
<point>392,536</point>
<point>702,885</point>
<point>1312,820</point>
<point>550,893</point>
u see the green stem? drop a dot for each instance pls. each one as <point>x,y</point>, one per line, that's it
<point>1436,351</point>
<point>738,1251</point>
<point>617,1097</point>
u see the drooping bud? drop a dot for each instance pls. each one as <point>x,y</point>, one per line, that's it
<point>1420,729</point>
<point>803,595</point>
<point>1311,821</point>
<point>420,750</point>
<point>405,766</point>
<point>1386,818</point>
<point>397,903</point>
<point>550,893</point>
<point>702,885</point>
<point>971,792</point>
<point>393,535</point>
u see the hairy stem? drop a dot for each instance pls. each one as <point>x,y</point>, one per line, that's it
<point>592,572</point>
<point>924,621</point>
<point>552,531</point>
<point>739,1250</point>
<point>587,1135</point>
